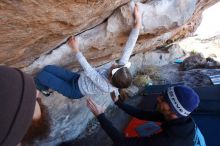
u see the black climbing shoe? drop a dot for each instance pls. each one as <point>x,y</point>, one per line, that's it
<point>42,88</point>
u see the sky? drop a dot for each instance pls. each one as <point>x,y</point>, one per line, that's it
<point>210,24</point>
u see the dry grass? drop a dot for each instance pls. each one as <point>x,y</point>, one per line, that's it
<point>148,74</point>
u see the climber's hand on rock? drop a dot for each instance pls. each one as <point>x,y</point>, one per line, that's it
<point>114,97</point>
<point>137,16</point>
<point>73,43</point>
<point>94,107</point>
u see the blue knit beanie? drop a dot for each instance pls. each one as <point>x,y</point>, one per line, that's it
<point>182,99</point>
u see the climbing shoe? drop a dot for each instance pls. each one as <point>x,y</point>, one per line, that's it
<point>42,88</point>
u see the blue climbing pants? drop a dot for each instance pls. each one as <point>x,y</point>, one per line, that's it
<point>60,80</point>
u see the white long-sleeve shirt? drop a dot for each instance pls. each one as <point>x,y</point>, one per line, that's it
<point>95,81</point>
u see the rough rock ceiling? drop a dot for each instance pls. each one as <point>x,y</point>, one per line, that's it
<point>30,29</point>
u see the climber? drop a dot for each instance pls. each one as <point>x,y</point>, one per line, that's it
<point>91,81</point>
<point>23,117</point>
<point>173,109</point>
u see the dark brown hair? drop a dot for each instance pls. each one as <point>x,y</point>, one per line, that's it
<point>122,78</point>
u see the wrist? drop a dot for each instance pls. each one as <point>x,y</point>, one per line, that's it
<point>101,117</point>
<point>97,113</point>
<point>116,100</point>
<point>76,50</point>
<point>137,25</point>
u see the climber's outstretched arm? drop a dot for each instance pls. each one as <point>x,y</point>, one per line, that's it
<point>129,46</point>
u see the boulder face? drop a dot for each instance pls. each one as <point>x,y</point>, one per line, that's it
<point>30,29</point>
<point>199,61</point>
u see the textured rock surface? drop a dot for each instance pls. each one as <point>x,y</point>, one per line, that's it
<point>32,28</point>
<point>69,117</point>
<point>160,58</point>
<point>105,42</point>
<point>199,61</point>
